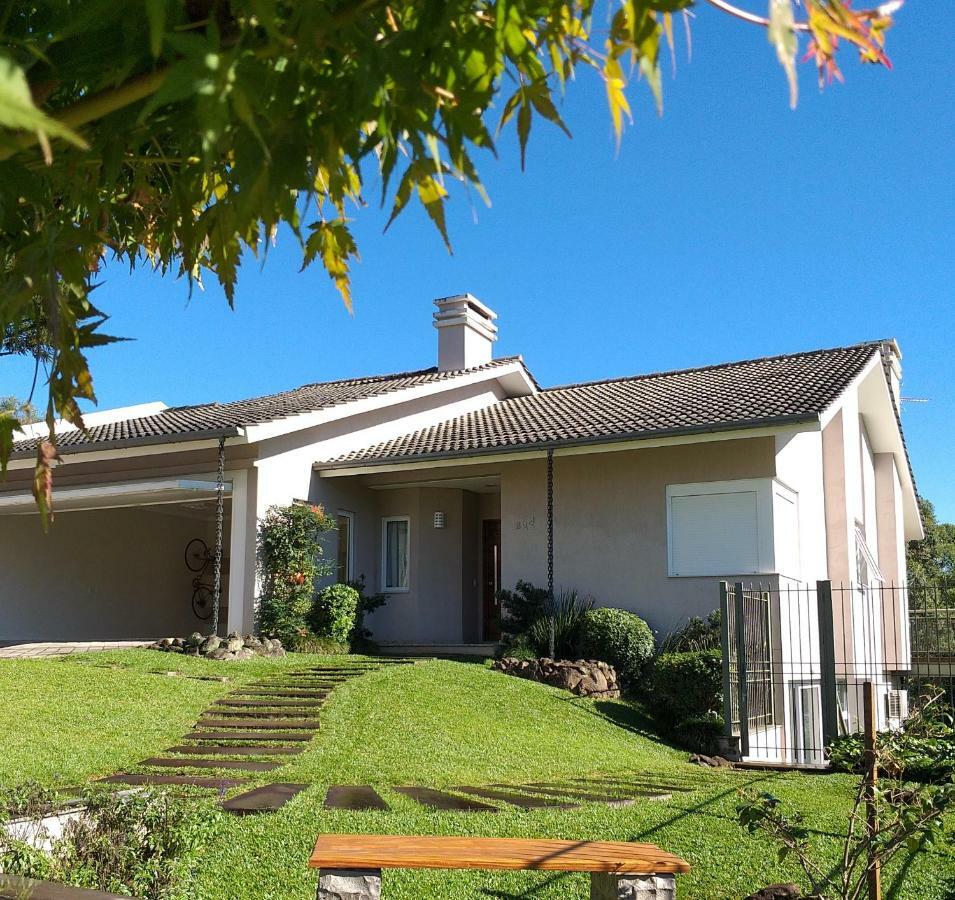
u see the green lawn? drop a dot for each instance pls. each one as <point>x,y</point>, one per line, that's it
<point>436,724</point>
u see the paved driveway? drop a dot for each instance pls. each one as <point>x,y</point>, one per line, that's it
<point>62,648</point>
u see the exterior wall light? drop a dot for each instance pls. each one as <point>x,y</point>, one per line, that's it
<point>439,520</point>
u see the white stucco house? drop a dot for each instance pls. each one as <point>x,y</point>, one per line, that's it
<point>771,469</point>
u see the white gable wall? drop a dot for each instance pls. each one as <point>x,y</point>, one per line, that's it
<point>799,467</point>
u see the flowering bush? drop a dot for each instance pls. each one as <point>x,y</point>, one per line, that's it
<point>290,559</point>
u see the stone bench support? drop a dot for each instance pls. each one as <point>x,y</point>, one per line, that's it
<point>349,884</point>
<point>606,886</point>
<point>365,884</point>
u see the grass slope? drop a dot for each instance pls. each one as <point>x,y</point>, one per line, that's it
<point>437,724</point>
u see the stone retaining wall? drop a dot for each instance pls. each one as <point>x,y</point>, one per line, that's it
<point>584,677</point>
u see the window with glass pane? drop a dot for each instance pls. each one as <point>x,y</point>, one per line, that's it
<point>396,555</point>
<point>344,548</point>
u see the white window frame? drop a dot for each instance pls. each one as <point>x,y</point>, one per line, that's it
<point>763,488</point>
<point>348,514</point>
<point>384,555</point>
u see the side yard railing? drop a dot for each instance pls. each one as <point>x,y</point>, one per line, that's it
<point>796,657</point>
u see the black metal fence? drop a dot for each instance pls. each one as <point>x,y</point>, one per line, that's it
<point>796,657</point>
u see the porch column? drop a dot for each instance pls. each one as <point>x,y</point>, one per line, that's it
<point>239,555</point>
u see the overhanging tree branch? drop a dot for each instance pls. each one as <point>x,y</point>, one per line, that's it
<point>89,109</point>
<point>752,18</point>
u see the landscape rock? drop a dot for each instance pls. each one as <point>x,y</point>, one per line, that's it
<point>234,646</point>
<point>710,762</point>
<point>583,677</point>
<point>777,892</point>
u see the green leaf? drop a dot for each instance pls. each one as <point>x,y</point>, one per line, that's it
<point>336,246</point>
<point>524,128</point>
<point>432,195</point>
<point>8,426</point>
<point>616,96</point>
<point>156,15</point>
<point>541,98</point>
<point>782,35</point>
<point>18,111</point>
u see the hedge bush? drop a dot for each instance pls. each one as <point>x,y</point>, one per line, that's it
<point>687,685</point>
<point>334,612</point>
<point>618,637</point>
<point>687,697</point>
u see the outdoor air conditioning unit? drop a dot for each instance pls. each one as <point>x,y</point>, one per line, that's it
<point>896,707</point>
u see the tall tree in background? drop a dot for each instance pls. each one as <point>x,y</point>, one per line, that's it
<point>931,561</point>
<point>22,410</point>
<point>182,137</point>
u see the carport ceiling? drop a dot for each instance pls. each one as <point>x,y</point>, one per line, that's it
<point>117,496</point>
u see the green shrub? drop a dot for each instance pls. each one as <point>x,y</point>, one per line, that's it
<point>922,750</point>
<point>309,642</point>
<point>334,611</point>
<point>289,557</point>
<point>361,637</point>
<point>701,734</point>
<point>686,694</point>
<point>521,608</point>
<point>139,843</point>
<point>520,649</point>
<point>618,637</point>
<point>696,634</point>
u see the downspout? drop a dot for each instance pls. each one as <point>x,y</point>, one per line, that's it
<point>550,547</point>
<point>217,580</point>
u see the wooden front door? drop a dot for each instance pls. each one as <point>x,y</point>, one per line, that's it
<point>490,578</point>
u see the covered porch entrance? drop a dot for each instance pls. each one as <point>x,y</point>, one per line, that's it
<point>432,545</point>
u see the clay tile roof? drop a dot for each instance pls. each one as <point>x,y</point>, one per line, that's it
<point>185,423</point>
<point>751,393</point>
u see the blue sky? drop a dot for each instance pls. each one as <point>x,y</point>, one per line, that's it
<point>731,227</point>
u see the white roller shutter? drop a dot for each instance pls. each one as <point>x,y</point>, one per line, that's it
<point>714,534</point>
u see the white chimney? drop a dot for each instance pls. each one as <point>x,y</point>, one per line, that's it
<point>893,356</point>
<point>466,332</point>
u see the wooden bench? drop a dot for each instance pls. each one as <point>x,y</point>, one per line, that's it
<point>350,864</point>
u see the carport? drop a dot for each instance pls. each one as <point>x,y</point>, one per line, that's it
<point>114,564</point>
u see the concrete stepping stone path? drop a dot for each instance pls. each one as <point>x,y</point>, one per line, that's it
<point>263,799</point>
<point>272,724</point>
<point>274,717</point>
<point>258,692</point>
<point>259,713</point>
<point>281,704</point>
<point>633,784</point>
<point>249,736</point>
<point>203,781</point>
<point>580,796</point>
<point>234,750</point>
<point>443,801</point>
<point>522,801</point>
<point>354,796</point>
<point>247,765</point>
